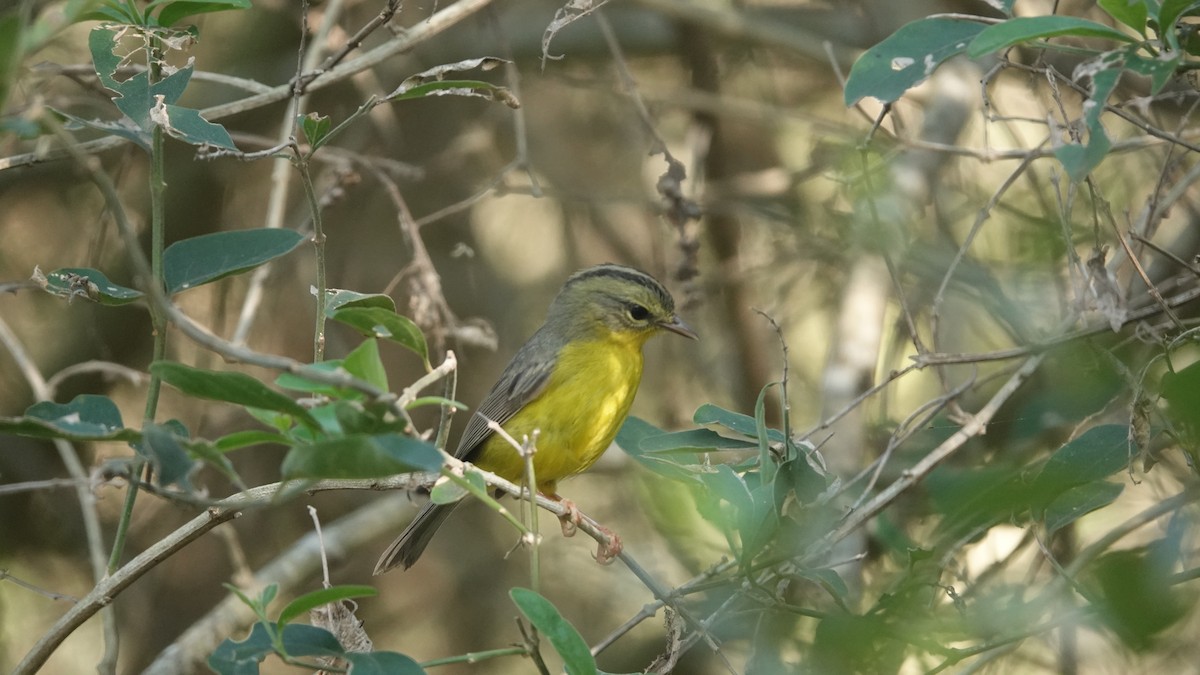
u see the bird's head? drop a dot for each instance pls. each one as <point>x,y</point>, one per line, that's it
<point>618,300</point>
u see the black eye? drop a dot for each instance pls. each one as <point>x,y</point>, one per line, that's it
<point>638,313</point>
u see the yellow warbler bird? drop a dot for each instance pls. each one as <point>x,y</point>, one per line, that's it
<point>573,381</point>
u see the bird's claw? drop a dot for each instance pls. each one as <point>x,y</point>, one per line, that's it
<point>607,552</point>
<point>571,519</point>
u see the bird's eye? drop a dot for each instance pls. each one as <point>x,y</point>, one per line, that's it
<point>638,313</point>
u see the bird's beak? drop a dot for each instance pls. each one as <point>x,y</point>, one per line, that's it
<point>676,325</point>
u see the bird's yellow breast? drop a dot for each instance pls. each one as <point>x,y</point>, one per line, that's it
<point>578,414</point>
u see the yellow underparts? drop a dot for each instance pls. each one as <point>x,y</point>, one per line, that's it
<point>577,415</point>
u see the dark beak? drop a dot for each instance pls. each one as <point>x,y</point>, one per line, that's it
<point>676,325</point>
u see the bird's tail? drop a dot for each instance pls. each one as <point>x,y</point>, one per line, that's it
<point>405,550</point>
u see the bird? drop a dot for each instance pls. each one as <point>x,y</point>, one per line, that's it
<point>573,382</point>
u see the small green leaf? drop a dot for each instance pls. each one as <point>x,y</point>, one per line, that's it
<point>336,299</point>
<point>174,11</point>
<point>692,440</point>
<point>123,127</point>
<point>379,322</point>
<point>187,125</point>
<point>365,364</point>
<point>230,387</point>
<point>84,282</point>
<point>300,383</point>
<point>1132,13</point>
<point>421,401</point>
<point>766,460</point>
<point>242,658</point>
<point>315,127</point>
<point>209,257</point>
<point>1078,502</point>
<point>1169,13</point>
<point>325,596</point>
<point>87,417</point>
<point>467,88</point>
<point>135,96</point>
<point>1138,600</point>
<point>163,448</point>
<point>1159,69</point>
<point>633,433</point>
<point>907,57</point>
<point>1027,29</point>
<point>244,439</point>
<point>361,456</point>
<point>1093,456</point>
<point>1081,160</point>
<point>577,658</point>
<point>382,663</point>
<point>1181,390</point>
<point>447,491</point>
<point>742,424</point>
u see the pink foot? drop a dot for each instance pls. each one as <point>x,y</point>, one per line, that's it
<point>606,553</point>
<point>571,519</point>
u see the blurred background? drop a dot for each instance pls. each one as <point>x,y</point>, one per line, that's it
<point>748,97</point>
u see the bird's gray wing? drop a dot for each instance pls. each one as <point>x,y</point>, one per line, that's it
<point>522,381</point>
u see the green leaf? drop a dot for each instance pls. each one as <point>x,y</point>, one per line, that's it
<point>432,82</point>
<point>174,11</point>
<point>336,299</point>
<point>907,57</point>
<point>448,492</point>
<point>365,364</point>
<point>209,257</point>
<point>242,658</point>
<point>230,387</point>
<point>758,524</point>
<point>422,401</point>
<point>187,125</point>
<point>1169,13</point>
<point>1094,455</point>
<point>766,461</point>
<point>243,439</point>
<point>633,433</point>
<point>379,322</point>
<point>361,456</point>
<point>1078,502</point>
<point>692,440</point>
<point>382,663</point>
<point>297,382</point>
<point>325,596</point>
<point>84,282</point>
<point>87,417</point>
<point>467,88</point>
<point>124,127</point>
<point>136,96</point>
<point>1181,390</point>
<point>1159,69</point>
<point>1132,13</point>
<point>315,127</point>
<point>1027,29</point>
<point>1080,160</point>
<point>1138,600</point>
<point>577,658</point>
<point>161,445</point>
<point>742,424</point>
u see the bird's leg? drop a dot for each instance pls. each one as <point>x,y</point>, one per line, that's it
<point>569,520</point>
<point>605,552</point>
